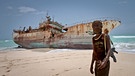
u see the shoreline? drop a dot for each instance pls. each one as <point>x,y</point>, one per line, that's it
<point>42,62</point>
<point>54,50</point>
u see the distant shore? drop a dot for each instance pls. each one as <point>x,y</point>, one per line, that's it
<point>52,62</point>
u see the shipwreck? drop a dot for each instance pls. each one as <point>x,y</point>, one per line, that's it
<point>51,34</point>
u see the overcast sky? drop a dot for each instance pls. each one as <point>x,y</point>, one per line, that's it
<point>15,14</point>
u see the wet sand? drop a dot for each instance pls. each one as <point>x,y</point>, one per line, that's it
<point>41,62</point>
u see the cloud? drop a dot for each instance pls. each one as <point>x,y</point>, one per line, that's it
<point>40,12</point>
<point>25,9</point>
<point>30,10</point>
<point>123,2</point>
<point>10,7</point>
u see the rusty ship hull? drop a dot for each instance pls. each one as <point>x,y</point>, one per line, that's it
<point>50,35</point>
<point>79,42</point>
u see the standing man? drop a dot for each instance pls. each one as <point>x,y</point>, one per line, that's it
<point>101,51</point>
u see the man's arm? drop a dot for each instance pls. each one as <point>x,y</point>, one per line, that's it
<point>92,62</point>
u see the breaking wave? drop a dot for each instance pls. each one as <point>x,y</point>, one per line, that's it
<point>123,36</point>
<point>124,43</point>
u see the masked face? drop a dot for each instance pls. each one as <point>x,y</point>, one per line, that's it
<point>97,27</point>
<point>97,30</point>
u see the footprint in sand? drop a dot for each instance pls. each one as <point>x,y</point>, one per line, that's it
<point>66,70</point>
<point>57,74</point>
<point>80,68</point>
<point>66,58</point>
<point>8,70</point>
<point>52,69</point>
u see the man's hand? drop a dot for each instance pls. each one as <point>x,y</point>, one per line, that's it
<point>102,65</point>
<point>91,70</point>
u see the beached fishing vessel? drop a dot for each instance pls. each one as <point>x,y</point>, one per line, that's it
<point>51,34</point>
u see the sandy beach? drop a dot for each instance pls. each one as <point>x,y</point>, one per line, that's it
<point>41,62</point>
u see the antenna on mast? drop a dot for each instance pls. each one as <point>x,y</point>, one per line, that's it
<point>47,13</point>
<point>48,18</point>
<point>53,18</point>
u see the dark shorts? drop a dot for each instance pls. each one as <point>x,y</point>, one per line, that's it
<point>104,71</point>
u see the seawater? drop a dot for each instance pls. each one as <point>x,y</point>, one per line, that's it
<point>6,45</point>
<point>124,43</point>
